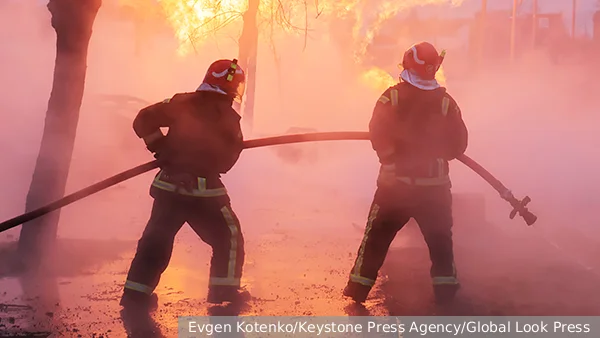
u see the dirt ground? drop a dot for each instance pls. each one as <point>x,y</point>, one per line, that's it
<point>299,252</point>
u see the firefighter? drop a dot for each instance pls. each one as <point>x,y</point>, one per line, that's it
<point>204,140</point>
<point>415,129</point>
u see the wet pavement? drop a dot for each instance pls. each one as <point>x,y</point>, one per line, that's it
<point>296,268</point>
<point>502,273</point>
<point>299,252</point>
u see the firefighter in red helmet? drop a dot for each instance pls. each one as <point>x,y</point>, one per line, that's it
<point>204,140</point>
<point>415,129</point>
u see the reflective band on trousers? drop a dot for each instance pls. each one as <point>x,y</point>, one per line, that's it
<point>135,286</point>
<point>355,276</point>
<point>225,281</point>
<point>201,191</point>
<point>445,280</point>
<point>361,280</point>
<point>231,279</point>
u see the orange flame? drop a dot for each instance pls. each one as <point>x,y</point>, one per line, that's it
<point>380,80</point>
<point>194,21</point>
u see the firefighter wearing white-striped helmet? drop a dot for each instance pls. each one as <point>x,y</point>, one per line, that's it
<point>416,129</point>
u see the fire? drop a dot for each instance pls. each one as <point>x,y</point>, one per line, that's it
<point>195,21</point>
<point>440,76</point>
<point>380,80</point>
<point>371,15</point>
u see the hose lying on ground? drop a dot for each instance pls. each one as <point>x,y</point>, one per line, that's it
<point>518,205</point>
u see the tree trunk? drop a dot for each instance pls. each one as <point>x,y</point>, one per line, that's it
<point>72,20</point>
<point>248,46</point>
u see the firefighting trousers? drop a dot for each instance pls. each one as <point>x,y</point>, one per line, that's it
<point>431,207</point>
<point>214,222</point>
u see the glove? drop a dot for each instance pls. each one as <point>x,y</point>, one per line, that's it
<point>159,160</point>
<point>155,145</point>
<point>387,175</point>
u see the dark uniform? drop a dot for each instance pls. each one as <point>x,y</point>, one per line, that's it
<point>416,132</point>
<point>204,140</point>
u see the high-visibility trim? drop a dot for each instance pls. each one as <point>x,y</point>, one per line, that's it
<point>135,286</point>
<point>424,181</point>
<point>225,281</point>
<point>383,99</point>
<point>230,75</point>
<point>445,105</point>
<point>444,280</point>
<point>361,280</point>
<point>234,230</point>
<point>440,162</point>
<point>361,250</point>
<point>394,96</point>
<point>201,191</point>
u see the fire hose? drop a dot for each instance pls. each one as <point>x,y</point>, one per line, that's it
<point>519,206</point>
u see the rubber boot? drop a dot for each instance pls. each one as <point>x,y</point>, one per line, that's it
<point>224,293</point>
<point>139,301</point>
<point>358,292</point>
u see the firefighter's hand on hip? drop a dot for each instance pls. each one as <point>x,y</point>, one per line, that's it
<point>387,175</point>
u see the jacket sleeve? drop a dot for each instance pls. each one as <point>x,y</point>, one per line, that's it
<point>381,129</point>
<point>149,120</point>
<point>234,140</point>
<point>457,133</point>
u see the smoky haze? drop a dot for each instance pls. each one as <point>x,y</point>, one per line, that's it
<point>534,126</point>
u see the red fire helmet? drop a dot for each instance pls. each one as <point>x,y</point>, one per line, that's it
<point>423,59</point>
<point>228,76</point>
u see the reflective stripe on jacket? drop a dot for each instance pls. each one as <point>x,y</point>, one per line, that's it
<point>199,190</point>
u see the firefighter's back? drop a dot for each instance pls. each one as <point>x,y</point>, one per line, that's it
<point>426,134</point>
<point>199,139</point>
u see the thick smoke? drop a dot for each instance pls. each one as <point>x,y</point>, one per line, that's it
<point>533,124</point>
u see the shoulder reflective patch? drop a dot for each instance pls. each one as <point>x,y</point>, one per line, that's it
<point>394,95</point>
<point>166,100</point>
<point>383,99</point>
<point>445,105</point>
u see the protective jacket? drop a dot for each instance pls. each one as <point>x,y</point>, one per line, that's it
<point>415,132</point>
<point>204,140</point>
<point>419,131</point>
